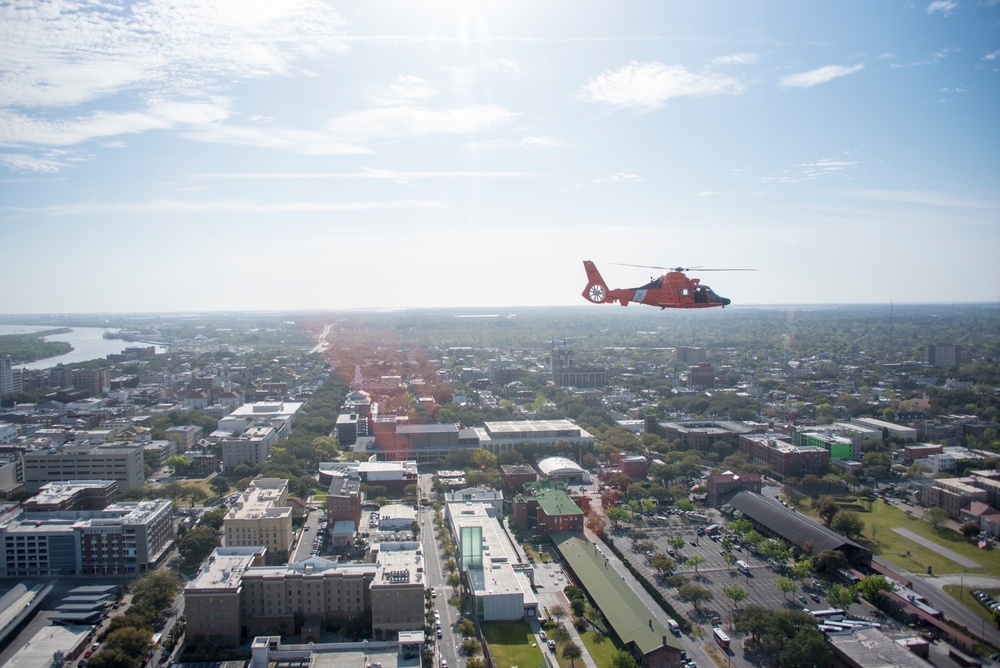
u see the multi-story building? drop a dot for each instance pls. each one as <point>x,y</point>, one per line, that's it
<point>499,437</point>
<point>952,494</point>
<point>700,433</point>
<point>943,354</point>
<point>499,581</point>
<point>840,445</point>
<point>185,435</point>
<point>251,447</point>
<point>122,463</point>
<point>122,539</point>
<point>888,429</point>
<point>784,459</point>
<point>343,500</point>
<point>514,477</point>
<point>261,517</point>
<point>212,604</point>
<point>718,484</point>
<point>701,376</point>
<point>74,495</point>
<point>689,355</point>
<point>277,414</point>
<point>6,375</point>
<point>547,508</point>
<point>94,382</point>
<point>397,591</point>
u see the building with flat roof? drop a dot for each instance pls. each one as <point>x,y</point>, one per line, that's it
<point>261,517</point>
<point>491,497</point>
<point>514,477</point>
<point>499,581</point>
<point>73,495</point>
<point>121,462</point>
<point>784,459</point>
<point>343,500</point>
<point>396,517</point>
<point>397,591</point>
<point>699,433</point>
<point>863,648</point>
<point>952,494</point>
<point>251,447</point>
<point>122,539</point>
<point>212,604</point>
<point>888,429</point>
<point>499,437</point>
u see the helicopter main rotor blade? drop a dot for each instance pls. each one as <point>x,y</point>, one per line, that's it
<point>649,266</point>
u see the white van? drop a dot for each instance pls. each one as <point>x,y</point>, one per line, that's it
<point>674,627</point>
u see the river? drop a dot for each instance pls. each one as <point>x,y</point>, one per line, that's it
<point>88,344</point>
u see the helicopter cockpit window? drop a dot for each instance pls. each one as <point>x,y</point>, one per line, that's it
<point>654,284</point>
<point>700,295</point>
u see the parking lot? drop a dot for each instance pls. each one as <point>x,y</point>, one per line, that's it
<point>714,573</point>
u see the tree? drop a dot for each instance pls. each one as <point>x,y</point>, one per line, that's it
<point>662,564</point>
<point>219,485</point>
<point>558,613</point>
<point>736,594</point>
<point>801,569</point>
<point>806,649</point>
<point>470,647</point>
<point>130,640</point>
<point>593,617</point>
<point>195,545</point>
<point>572,652</point>
<point>937,516</point>
<point>785,585</point>
<point>617,515</point>
<point>622,659</point>
<point>848,523</point>
<point>676,542</point>
<point>467,627</point>
<point>970,529</point>
<point>752,621</point>
<point>111,658</point>
<point>826,508</point>
<point>695,560</point>
<point>871,587</point>
<point>829,561</point>
<point>695,594</point>
<point>842,597</point>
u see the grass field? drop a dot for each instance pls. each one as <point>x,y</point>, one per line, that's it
<point>600,648</point>
<point>970,602</point>
<point>883,541</point>
<point>510,644</point>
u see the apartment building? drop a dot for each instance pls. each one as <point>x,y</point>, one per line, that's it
<point>251,447</point>
<point>261,517</point>
<point>120,462</point>
<point>784,459</point>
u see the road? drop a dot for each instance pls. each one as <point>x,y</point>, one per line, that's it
<point>447,647</point>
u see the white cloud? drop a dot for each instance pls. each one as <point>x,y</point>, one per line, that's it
<point>818,76</point>
<point>406,89</point>
<point>174,207</point>
<point>69,53</point>
<point>29,163</point>
<point>736,59</point>
<point>992,56</point>
<point>650,85</point>
<point>373,173</point>
<point>303,142</point>
<point>17,129</point>
<point>410,121</point>
<point>524,142</point>
<point>944,6</point>
<point>620,177</point>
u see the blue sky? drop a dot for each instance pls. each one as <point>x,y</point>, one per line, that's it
<point>322,155</point>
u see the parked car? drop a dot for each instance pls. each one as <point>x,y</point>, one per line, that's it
<point>552,645</point>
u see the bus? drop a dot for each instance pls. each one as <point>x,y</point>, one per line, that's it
<point>721,638</point>
<point>829,613</point>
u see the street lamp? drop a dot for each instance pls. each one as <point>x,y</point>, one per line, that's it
<point>961,584</point>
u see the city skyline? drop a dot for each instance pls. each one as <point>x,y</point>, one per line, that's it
<point>313,155</point>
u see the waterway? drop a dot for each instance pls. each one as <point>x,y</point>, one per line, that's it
<point>88,344</point>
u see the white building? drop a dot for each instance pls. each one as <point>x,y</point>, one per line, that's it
<point>500,581</point>
<point>396,517</point>
<point>277,414</point>
<point>566,470</point>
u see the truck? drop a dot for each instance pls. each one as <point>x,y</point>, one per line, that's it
<point>674,627</point>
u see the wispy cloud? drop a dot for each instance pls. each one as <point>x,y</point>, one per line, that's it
<point>619,177</point>
<point>925,198</point>
<point>992,56</point>
<point>410,121</point>
<point>18,129</point>
<point>373,173</point>
<point>303,142</point>
<point>820,75</point>
<point>146,65</point>
<point>406,89</point>
<point>810,171</point>
<point>946,7</point>
<point>736,59</point>
<point>649,85</point>
<point>523,142</point>
<point>21,162</point>
<point>174,207</point>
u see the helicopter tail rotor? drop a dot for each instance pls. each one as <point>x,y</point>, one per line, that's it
<point>596,291</point>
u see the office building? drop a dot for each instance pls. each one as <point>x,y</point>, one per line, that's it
<point>261,517</point>
<point>121,462</point>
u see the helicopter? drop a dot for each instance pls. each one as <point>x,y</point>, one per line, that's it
<point>671,290</point>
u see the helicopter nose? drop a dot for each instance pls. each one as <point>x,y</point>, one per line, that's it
<point>725,302</point>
